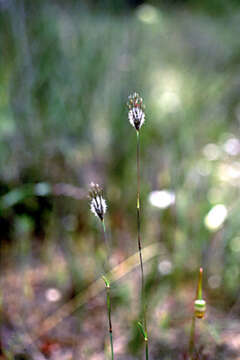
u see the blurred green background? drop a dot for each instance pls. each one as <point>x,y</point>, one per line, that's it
<point>66,70</point>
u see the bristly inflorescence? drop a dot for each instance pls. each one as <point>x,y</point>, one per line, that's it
<point>136,115</point>
<point>97,203</point>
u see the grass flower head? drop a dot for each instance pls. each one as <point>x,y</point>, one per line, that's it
<point>136,115</point>
<point>98,205</point>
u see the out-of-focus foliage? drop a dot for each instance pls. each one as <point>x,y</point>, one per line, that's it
<point>66,70</point>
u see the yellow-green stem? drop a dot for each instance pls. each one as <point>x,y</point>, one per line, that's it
<point>199,288</point>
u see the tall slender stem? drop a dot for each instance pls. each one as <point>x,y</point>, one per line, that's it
<point>146,348</point>
<point>108,294</point>
<point>143,300</point>
<point>109,319</point>
<point>106,262</point>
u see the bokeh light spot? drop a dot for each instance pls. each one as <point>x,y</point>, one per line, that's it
<point>162,199</point>
<point>53,295</point>
<point>147,14</point>
<point>216,217</point>
<point>165,267</point>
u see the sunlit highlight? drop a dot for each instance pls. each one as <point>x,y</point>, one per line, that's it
<point>162,199</point>
<point>216,217</point>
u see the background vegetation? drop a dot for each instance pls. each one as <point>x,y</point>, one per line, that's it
<point>66,69</point>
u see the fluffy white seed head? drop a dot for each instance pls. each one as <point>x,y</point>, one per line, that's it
<point>98,204</point>
<point>136,115</point>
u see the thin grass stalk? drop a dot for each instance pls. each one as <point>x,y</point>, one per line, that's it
<point>199,312</point>
<point>143,300</point>
<point>98,206</point>
<point>106,263</point>
<point>110,320</point>
<point>146,348</point>
<point>109,306</point>
<point>139,220</point>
